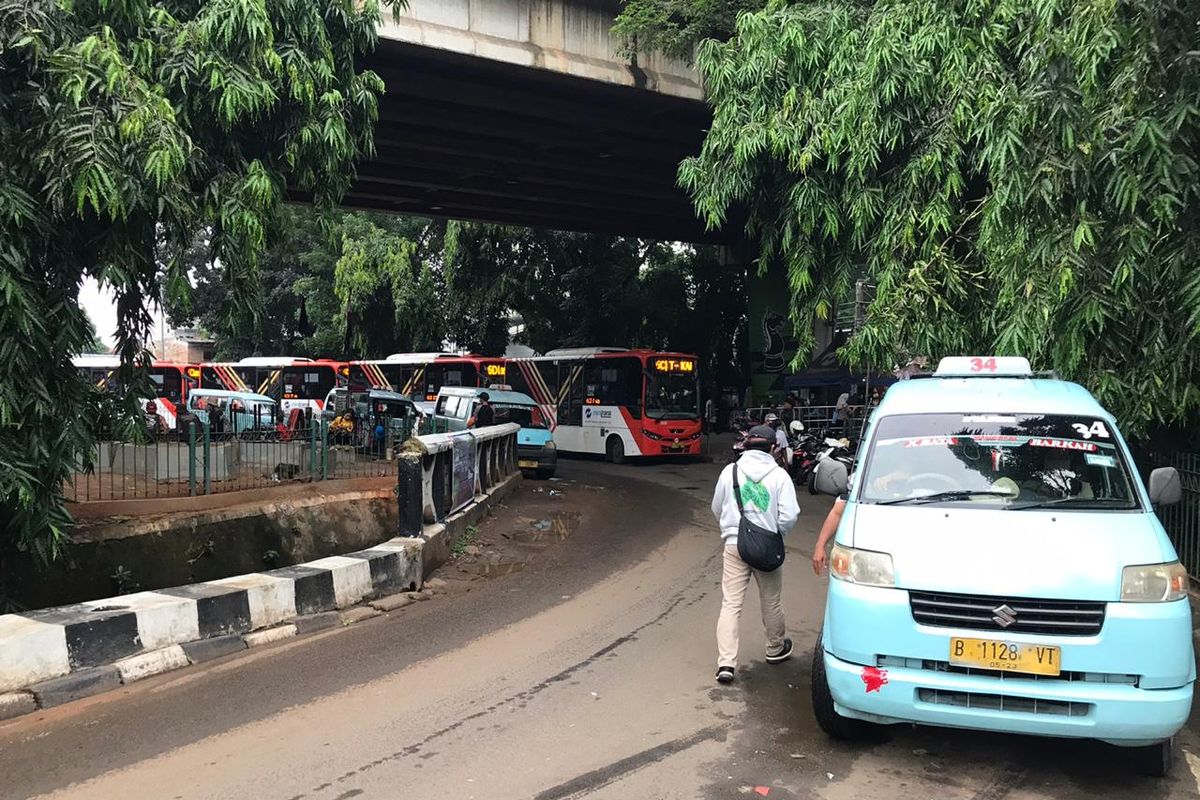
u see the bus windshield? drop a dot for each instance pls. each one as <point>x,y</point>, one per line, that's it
<point>995,460</point>
<point>168,383</point>
<point>671,395</point>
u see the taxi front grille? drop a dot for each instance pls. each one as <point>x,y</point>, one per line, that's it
<point>1004,703</point>
<point>897,662</point>
<point>1052,617</point>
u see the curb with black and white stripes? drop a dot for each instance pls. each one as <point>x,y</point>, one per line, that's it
<point>57,655</point>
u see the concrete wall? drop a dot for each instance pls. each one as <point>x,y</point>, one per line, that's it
<point>562,36</point>
<point>184,548</point>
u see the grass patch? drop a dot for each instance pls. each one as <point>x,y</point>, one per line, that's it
<point>467,537</point>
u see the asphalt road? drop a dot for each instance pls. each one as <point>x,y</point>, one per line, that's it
<point>587,674</point>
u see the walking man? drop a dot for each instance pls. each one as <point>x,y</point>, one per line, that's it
<point>768,499</point>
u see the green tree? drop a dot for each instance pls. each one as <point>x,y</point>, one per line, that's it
<point>1013,177</point>
<point>674,27</point>
<point>126,125</point>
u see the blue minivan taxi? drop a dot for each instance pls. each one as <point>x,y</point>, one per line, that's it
<point>536,452</point>
<point>999,566</point>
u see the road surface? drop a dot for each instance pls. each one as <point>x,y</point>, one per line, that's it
<point>587,674</point>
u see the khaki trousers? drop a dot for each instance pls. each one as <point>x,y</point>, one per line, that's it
<point>734,580</point>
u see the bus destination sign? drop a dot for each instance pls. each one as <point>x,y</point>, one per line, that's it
<point>674,365</point>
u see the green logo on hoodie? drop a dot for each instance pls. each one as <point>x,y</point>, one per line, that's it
<point>754,493</point>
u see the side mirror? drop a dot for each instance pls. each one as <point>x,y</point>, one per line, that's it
<point>831,477</point>
<point>1165,486</point>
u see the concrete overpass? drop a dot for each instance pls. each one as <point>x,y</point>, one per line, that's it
<point>521,112</point>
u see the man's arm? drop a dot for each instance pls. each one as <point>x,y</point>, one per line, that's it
<point>820,557</point>
<point>718,501</point>
<point>789,508</point>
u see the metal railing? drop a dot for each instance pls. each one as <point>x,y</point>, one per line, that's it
<point>813,417</point>
<point>440,473</point>
<point>1182,520</point>
<point>202,459</point>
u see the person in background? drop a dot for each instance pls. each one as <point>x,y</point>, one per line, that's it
<point>710,415</point>
<point>841,410</point>
<point>768,499</point>
<point>485,414</point>
<point>781,449</point>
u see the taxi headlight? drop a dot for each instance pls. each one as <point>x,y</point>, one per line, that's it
<point>864,567</point>
<point>1154,583</point>
<point>548,445</point>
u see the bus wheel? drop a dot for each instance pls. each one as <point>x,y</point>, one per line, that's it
<point>616,450</point>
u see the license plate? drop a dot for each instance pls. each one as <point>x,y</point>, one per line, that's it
<point>525,463</point>
<point>1035,659</point>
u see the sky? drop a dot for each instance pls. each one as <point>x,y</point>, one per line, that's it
<point>100,306</point>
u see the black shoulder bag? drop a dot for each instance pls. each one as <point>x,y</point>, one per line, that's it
<point>762,549</point>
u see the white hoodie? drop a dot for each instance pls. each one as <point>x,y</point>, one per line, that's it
<point>761,481</point>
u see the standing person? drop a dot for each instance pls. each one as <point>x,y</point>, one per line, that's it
<point>841,410</point>
<point>710,415</point>
<point>485,415</point>
<point>781,447</point>
<point>768,499</point>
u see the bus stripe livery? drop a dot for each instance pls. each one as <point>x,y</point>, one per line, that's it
<point>615,402</point>
<point>421,375</point>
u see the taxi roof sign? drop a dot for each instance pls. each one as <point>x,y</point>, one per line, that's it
<point>984,367</point>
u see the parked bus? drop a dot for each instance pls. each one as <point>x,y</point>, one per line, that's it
<point>172,383</point>
<point>615,402</point>
<point>421,375</point>
<point>295,383</point>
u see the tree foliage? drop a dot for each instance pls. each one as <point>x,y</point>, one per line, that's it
<point>674,27</point>
<point>1014,177</point>
<point>127,130</point>
<point>363,285</point>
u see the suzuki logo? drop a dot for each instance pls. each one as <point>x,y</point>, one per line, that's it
<point>1004,616</point>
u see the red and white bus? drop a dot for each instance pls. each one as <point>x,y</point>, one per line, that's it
<point>421,375</point>
<point>296,383</point>
<point>615,402</point>
<point>172,383</point>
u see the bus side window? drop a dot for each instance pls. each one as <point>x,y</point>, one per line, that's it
<point>570,410</point>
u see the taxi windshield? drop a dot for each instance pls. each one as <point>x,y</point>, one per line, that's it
<point>997,460</point>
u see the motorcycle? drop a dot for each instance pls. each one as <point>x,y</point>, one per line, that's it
<point>834,450</point>
<point>803,447</point>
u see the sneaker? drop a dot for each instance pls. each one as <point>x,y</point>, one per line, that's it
<point>724,674</point>
<point>783,655</point>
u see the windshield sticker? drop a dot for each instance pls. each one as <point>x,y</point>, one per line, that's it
<point>978,418</point>
<point>1097,428</point>
<point>930,441</point>
<point>1064,444</point>
<point>998,439</point>
<point>1100,460</point>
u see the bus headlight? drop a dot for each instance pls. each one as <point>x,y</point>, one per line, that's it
<point>864,567</point>
<point>1154,583</point>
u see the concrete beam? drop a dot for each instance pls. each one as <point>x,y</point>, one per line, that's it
<point>566,36</point>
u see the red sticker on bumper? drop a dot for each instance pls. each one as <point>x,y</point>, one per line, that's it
<point>874,678</point>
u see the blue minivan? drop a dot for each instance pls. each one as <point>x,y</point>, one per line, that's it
<point>536,453</point>
<point>999,566</point>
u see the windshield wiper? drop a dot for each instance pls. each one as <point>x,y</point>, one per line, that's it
<point>1062,501</point>
<point>957,494</point>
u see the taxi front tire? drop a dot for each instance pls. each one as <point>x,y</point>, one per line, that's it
<point>1155,760</point>
<point>828,719</point>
